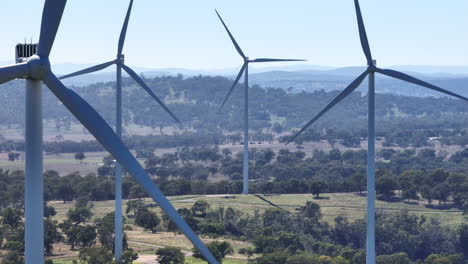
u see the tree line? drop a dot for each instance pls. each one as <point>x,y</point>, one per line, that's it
<point>405,175</point>
<point>195,100</point>
<point>277,236</point>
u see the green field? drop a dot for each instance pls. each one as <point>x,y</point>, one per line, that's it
<point>332,205</point>
<point>188,260</point>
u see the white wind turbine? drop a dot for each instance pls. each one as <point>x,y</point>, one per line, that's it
<point>36,69</point>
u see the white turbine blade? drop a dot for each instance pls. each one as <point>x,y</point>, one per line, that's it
<point>411,79</point>
<point>363,34</point>
<point>10,72</point>
<point>234,84</point>
<point>114,145</point>
<point>123,32</point>
<point>51,16</point>
<point>353,86</point>
<point>89,70</point>
<point>239,50</point>
<point>137,78</point>
<point>274,60</point>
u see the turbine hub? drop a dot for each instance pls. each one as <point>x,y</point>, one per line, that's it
<point>121,59</point>
<point>372,67</point>
<point>38,67</point>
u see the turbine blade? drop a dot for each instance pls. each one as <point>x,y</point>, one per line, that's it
<point>355,84</point>
<point>109,140</point>
<point>89,70</point>
<point>148,90</point>
<point>413,80</point>
<point>239,75</point>
<point>123,33</point>
<point>363,34</point>
<point>51,16</point>
<point>10,72</point>
<point>272,60</point>
<point>230,36</point>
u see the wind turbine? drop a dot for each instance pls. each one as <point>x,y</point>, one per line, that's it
<point>119,63</point>
<point>36,69</point>
<point>245,71</point>
<point>370,71</point>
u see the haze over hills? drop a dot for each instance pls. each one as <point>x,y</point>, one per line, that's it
<point>297,78</point>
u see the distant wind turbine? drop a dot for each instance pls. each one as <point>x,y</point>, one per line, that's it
<point>36,69</point>
<point>245,70</point>
<point>370,71</point>
<point>119,63</point>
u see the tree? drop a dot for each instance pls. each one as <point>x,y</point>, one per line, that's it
<point>136,191</point>
<point>128,256</point>
<point>80,156</point>
<point>105,230</point>
<point>65,191</point>
<point>265,244</point>
<point>280,258</point>
<point>49,211</point>
<point>213,229</point>
<point>200,208</point>
<point>317,187</point>
<point>13,156</point>
<point>463,239</point>
<point>438,176</point>
<point>79,215</point>
<point>385,186</point>
<point>387,153</point>
<point>290,242</point>
<point>303,258</point>
<point>170,255</point>
<point>359,180</point>
<point>277,128</point>
<point>427,193</point>
<point>95,255</point>
<point>311,210</point>
<point>400,258</point>
<point>10,216</point>
<point>410,192</point>
<point>247,251</point>
<point>442,192</point>
<point>444,259</point>
<point>51,235</point>
<point>13,257</point>
<point>217,248</point>
<point>135,207</point>
<point>148,220</point>
<point>85,236</point>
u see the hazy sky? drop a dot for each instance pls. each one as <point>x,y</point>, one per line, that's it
<point>187,34</point>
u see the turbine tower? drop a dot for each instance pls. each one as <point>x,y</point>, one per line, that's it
<point>36,69</point>
<point>245,71</point>
<point>119,63</point>
<point>370,71</point>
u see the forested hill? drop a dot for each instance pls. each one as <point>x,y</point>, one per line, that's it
<point>309,80</point>
<point>196,100</point>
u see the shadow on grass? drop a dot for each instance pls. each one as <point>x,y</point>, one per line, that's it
<point>321,198</point>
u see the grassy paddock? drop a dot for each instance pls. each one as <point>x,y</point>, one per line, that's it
<point>192,260</point>
<point>332,205</point>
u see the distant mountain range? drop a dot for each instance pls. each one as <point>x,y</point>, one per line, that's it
<point>299,78</point>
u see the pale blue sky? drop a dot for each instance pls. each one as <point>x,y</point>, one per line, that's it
<point>187,34</point>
